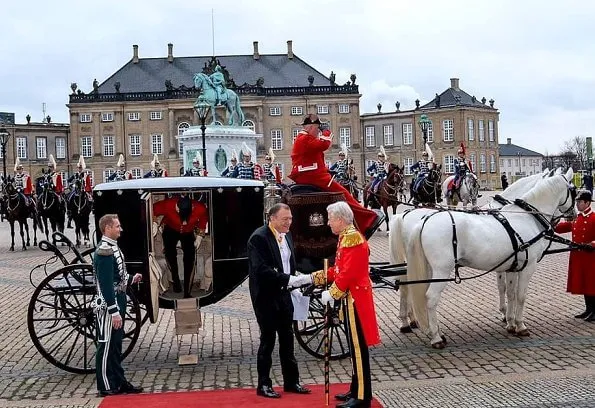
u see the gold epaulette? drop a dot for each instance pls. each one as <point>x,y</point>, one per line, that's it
<point>351,237</point>
<point>105,249</point>
<point>335,292</point>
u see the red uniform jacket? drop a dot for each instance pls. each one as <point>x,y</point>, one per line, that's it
<point>581,264</point>
<point>57,180</point>
<point>167,208</point>
<point>307,155</point>
<point>88,186</point>
<point>27,185</point>
<point>351,278</point>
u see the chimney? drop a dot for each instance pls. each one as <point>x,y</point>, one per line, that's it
<point>289,49</point>
<point>135,54</point>
<point>508,140</point>
<point>170,52</point>
<point>454,83</point>
<point>256,55</point>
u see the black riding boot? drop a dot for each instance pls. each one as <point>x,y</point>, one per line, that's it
<point>69,220</point>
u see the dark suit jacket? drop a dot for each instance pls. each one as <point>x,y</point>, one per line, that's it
<point>268,283</point>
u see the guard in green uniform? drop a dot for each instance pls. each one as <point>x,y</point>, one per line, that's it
<point>110,309</point>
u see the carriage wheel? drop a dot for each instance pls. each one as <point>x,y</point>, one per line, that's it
<point>61,321</point>
<point>87,255</point>
<point>310,334</point>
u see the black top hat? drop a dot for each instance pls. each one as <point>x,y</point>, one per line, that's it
<point>311,119</point>
<point>584,195</point>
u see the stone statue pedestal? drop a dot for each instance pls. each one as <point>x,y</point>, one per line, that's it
<point>220,142</point>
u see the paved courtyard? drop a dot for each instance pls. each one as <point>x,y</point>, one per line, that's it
<point>482,366</point>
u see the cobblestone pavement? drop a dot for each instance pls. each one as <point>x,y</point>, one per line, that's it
<point>482,366</point>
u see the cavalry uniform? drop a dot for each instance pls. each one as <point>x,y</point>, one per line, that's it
<point>229,171</point>
<point>422,169</point>
<point>247,171</point>
<point>378,171</point>
<point>351,284</point>
<point>194,172</point>
<point>269,170</point>
<point>22,182</point>
<point>462,166</point>
<point>340,169</point>
<point>156,170</point>
<point>309,167</point>
<point>121,174</point>
<point>112,281</point>
<point>85,180</point>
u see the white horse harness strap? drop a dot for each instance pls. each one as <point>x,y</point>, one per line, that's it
<point>514,240</point>
<point>457,278</point>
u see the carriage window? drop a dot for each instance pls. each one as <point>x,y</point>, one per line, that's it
<point>108,146</point>
<point>135,145</point>
<point>447,130</point>
<point>157,144</point>
<point>345,136</point>
<point>389,138</point>
<point>60,148</point>
<point>492,163</point>
<point>430,132</point>
<point>482,162</point>
<point>470,130</point>
<point>449,164</point>
<point>107,174</point>
<point>136,172</point>
<point>407,163</point>
<point>480,130</point>
<point>407,133</point>
<point>370,136</point>
<point>276,139</point>
<point>41,147</point>
<point>87,146</point>
<point>22,147</point>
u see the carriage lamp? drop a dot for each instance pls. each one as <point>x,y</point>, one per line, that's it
<point>202,109</point>
<point>424,124</point>
<point>4,136</point>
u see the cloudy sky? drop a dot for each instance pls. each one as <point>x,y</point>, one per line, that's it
<point>536,59</point>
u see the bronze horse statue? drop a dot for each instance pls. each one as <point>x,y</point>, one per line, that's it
<point>387,194</point>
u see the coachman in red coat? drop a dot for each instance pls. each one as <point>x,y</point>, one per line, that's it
<point>309,167</point>
<point>581,265</point>
<point>351,284</point>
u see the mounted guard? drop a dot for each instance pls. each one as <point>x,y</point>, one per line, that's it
<point>22,182</point>
<point>247,169</point>
<point>121,173</point>
<point>462,166</point>
<point>228,172</point>
<point>340,168</point>
<point>270,169</point>
<point>422,167</point>
<point>53,178</point>
<point>80,183</point>
<point>156,170</point>
<point>196,170</point>
<point>378,170</point>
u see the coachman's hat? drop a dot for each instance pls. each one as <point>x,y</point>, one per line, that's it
<point>584,195</point>
<point>312,119</point>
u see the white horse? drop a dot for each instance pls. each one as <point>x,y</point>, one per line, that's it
<point>467,192</point>
<point>403,223</point>
<point>432,254</point>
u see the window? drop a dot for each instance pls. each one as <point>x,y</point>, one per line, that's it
<point>370,136</point>
<point>524,162</point>
<point>181,128</point>
<point>430,132</point>
<point>345,136</point>
<point>294,133</point>
<point>492,163</point>
<point>275,111</point>
<point>480,129</point>
<point>136,173</point>
<point>407,133</point>
<point>281,169</point>
<point>408,162</point>
<point>155,115</point>
<point>509,162</point>
<point>108,146</point>
<point>60,148</point>
<point>84,117</point>
<point>447,130</point>
<point>501,162</point>
<point>297,110</point>
<point>482,163</point>
<point>249,124</point>
<point>470,130</point>
<point>157,144</point>
<point>87,146</point>
<point>322,109</point>
<point>135,145</point>
<point>107,174</point>
<point>22,147</point>
<point>449,164</point>
<point>388,135</point>
<point>133,116</point>
<point>276,139</point>
<point>344,108</point>
<point>41,147</point>
<point>473,161</point>
<point>491,130</point>
<point>107,117</point>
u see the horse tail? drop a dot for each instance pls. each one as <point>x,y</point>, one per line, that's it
<point>417,269</point>
<point>395,240</point>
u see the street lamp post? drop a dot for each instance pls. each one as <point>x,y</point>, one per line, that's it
<point>424,124</point>
<point>4,136</point>
<point>202,108</point>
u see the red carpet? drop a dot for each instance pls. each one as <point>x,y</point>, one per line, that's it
<point>242,397</point>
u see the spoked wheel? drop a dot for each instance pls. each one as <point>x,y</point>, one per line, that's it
<point>62,324</point>
<point>310,334</point>
<point>87,255</point>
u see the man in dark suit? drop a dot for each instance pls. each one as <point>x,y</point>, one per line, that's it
<point>271,276</point>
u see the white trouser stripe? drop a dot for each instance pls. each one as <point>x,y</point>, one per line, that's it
<point>107,330</point>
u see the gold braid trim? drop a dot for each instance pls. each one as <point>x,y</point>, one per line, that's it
<point>335,292</point>
<point>318,278</point>
<point>351,237</point>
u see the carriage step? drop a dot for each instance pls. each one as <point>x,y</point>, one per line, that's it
<point>188,322</point>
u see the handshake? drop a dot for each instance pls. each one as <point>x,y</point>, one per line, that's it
<point>299,280</point>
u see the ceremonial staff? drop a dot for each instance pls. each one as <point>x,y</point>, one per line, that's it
<point>327,351</point>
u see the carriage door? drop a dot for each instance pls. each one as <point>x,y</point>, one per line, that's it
<point>154,270</point>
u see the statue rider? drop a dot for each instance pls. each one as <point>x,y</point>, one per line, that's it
<point>196,170</point>
<point>218,81</point>
<point>82,177</point>
<point>378,170</point>
<point>22,182</point>
<point>121,173</point>
<point>462,166</point>
<point>228,172</point>
<point>422,168</point>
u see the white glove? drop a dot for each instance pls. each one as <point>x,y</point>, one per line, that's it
<point>197,241</point>
<point>300,280</point>
<point>155,229</point>
<point>327,298</point>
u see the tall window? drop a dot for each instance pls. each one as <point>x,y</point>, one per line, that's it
<point>294,133</point>
<point>133,116</point>
<point>84,117</point>
<point>388,135</point>
<point>473,161</point>
<point>482,163</point>
<point>60,148</point>
<point>447,130</point>
<point>470,130</point>
<point>491,130</point>
<point>408,162</point>
<point>407,133</point>
<point>156,115</point>
<point>41,147</point>
<point>107,117</point>
<point>108,146</point>
<point>322,109</point>
<point>157,144</point>
<point>181,128</point>
<point>492,163</point>
<point>345,136</point>
<point>22,147</point>
<point>87,146</point>
<point>430,132</point>
<point>344,108</point>
<point>297,110</point>
<point>277,139</point>
<point>249,124</point>
<point>107,174</point>
<point>275,111</point>
<point>136,172</point>
<point>480,130</point>
<point>449,164</point>
<point>370,136</point>
<point>135,145</point>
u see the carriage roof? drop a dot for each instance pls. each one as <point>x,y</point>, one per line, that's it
<point>177,183</point>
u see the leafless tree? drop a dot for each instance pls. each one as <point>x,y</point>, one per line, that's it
<point>578,146</point>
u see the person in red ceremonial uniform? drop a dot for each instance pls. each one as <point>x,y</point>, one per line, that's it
<point>22,182</point>
<point>185,221</point>
<point>581,269</point>
<point>308,167</point>
<point>351,284</point>
<point>54,177</point>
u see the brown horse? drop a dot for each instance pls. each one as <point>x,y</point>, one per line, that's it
<point>388,192</point>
